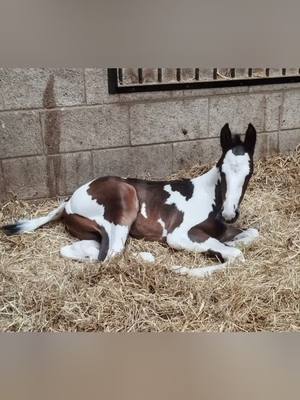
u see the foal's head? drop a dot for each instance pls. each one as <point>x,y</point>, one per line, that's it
<point>236,168</point>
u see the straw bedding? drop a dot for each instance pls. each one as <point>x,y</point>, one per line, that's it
<point>40,291</point>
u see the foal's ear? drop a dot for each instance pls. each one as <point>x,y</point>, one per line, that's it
<point>226,138</point>
<point>250,139</point>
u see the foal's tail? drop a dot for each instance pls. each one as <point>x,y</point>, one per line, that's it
<point>29,225</point>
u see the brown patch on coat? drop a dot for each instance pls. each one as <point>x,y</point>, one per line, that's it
<point>118,198</point>
<point>154,196</point>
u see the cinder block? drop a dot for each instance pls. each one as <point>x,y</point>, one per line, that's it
<point>142,161</point>
<point>273,108</point>
<point>86,128</point>
<point>70,171</point>
<point>186,154</point>
<point>266,145</point>
<point>96,86</point>
<point>238,111</point>
<point>20,134</point>
<point>41,87</point>
<point>289,140</point>
<point>291,110</point>
<point>274,87</point>
<point>169,121</point>
<point>26,177</point>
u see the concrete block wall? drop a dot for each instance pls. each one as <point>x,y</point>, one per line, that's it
<point>59,128</point>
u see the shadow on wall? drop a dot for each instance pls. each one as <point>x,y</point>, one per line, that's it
<point>52,133</point>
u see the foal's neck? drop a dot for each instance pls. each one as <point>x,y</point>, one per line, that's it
<point>211,183</point>
<point>209,179</point>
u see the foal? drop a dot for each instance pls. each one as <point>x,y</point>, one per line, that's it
<point>188,214</point>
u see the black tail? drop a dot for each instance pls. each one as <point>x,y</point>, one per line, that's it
<point>12,229</point>
<point>104,244</point>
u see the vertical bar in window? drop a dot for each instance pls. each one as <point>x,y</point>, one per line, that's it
<point>140,75</point>
<point>178,74</point>
<point>215,74</point>
<point>232,72</point>
<point>159,75</point>
<point>197,74</point>
<point>250,72</point>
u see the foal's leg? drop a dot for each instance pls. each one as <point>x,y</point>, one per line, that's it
<point>83,250</point>
<point>93,237</point>
<point>118,235</point>
<point>235,236</point>
<point>198,241</point>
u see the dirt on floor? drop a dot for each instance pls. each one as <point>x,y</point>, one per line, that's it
<point>40,291</point>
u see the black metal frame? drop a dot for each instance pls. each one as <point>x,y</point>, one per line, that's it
<point>114,87</point>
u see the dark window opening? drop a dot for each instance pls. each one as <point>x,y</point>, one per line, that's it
<point>130,80</point>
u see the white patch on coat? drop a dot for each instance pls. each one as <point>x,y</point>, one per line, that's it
<point>83,250</point>
<point>81,203</point>
<point>196,210</point>
<point>146,256</point>
<point>235,168</point>
<point>143,210</point>
<point>163,225</point>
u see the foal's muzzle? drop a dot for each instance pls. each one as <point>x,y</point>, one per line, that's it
<point>230,218</point>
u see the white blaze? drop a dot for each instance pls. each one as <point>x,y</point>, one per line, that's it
<point>235,168</point>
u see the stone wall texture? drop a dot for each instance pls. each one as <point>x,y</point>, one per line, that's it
<point>60,128</point>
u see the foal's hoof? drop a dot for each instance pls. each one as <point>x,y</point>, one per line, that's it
<point>233,254</point>
<point>179,270</point>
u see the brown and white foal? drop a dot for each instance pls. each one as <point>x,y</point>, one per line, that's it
<point>187,214</point>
